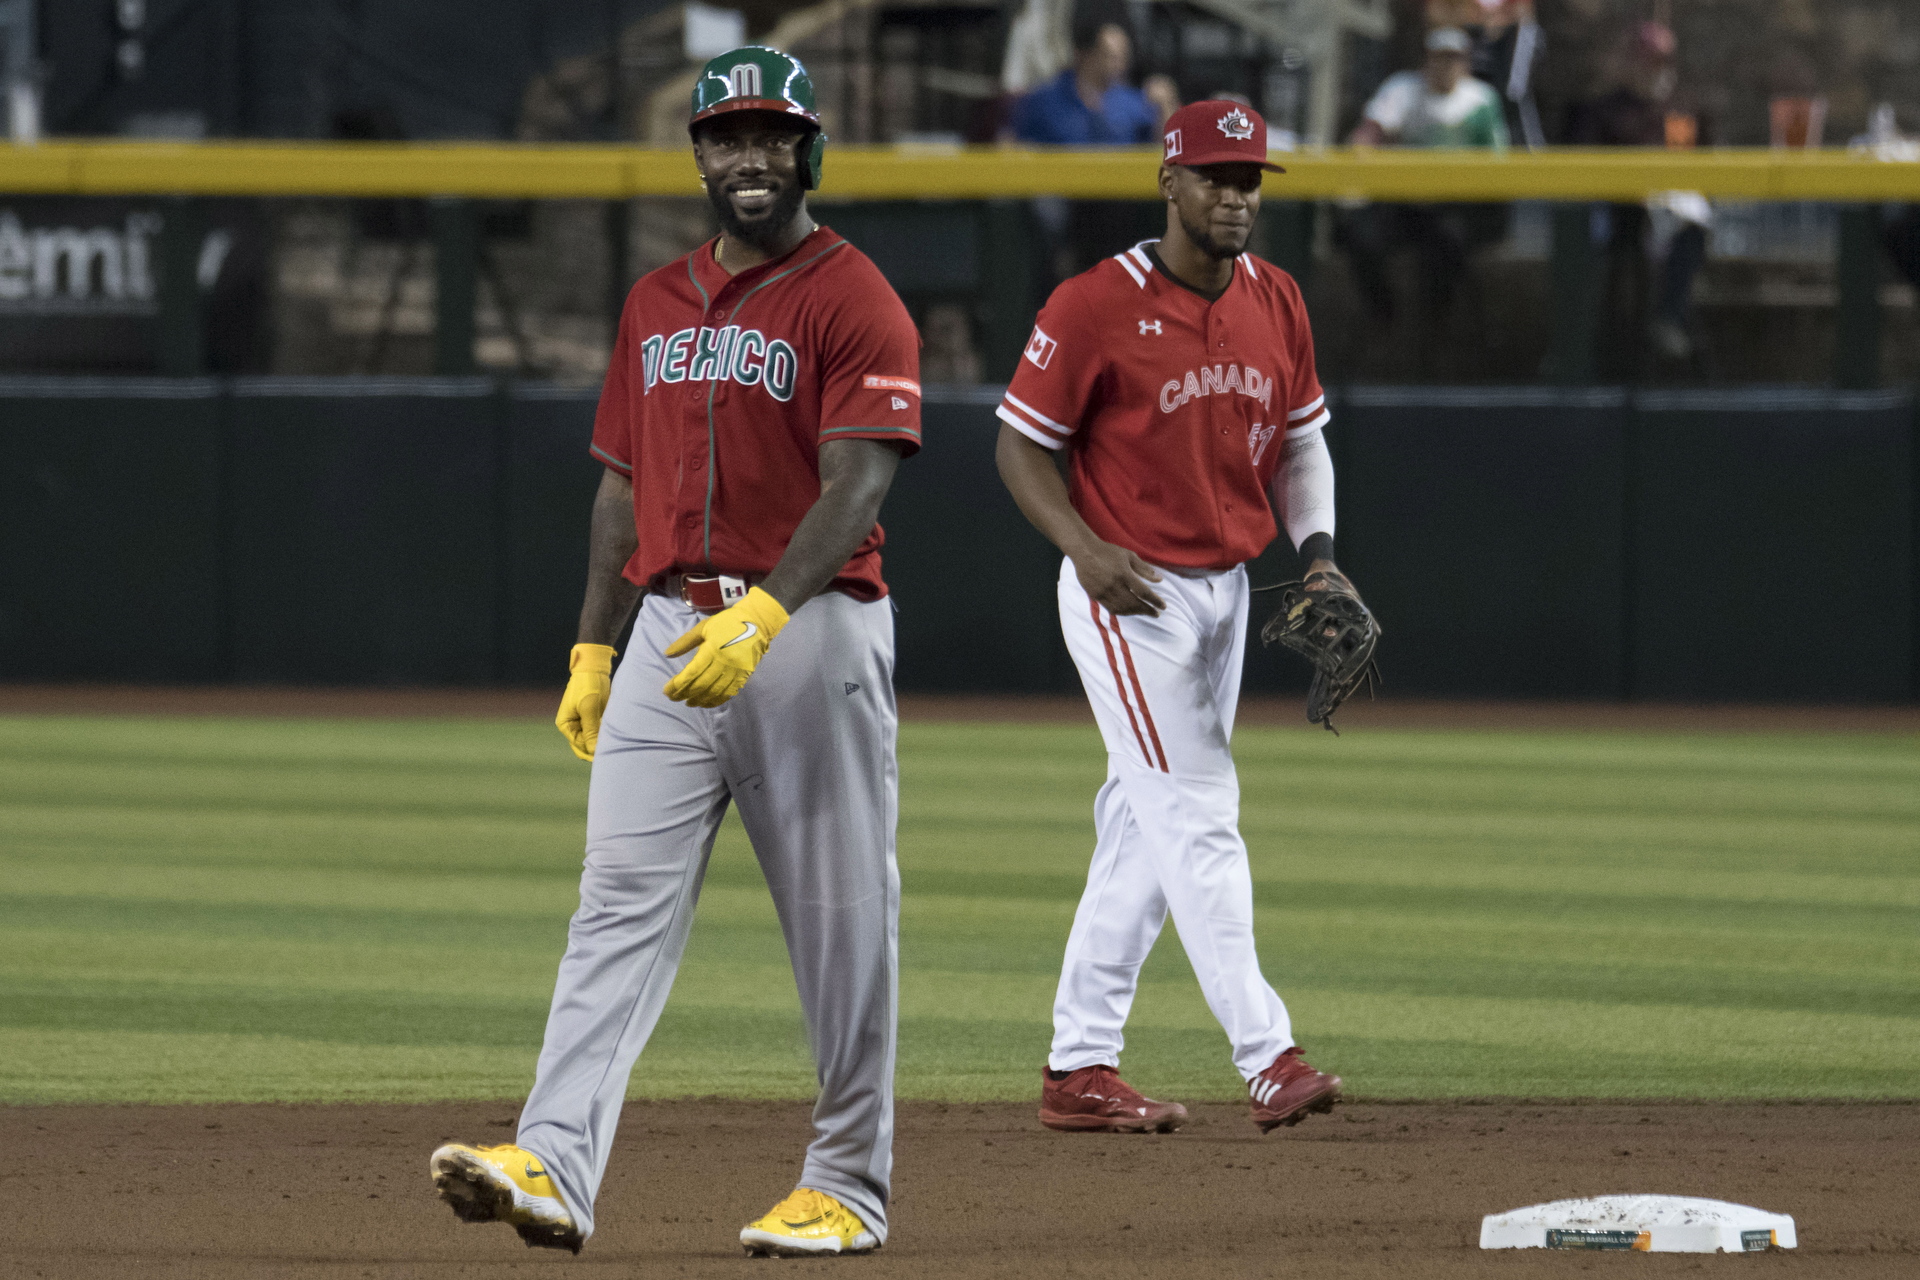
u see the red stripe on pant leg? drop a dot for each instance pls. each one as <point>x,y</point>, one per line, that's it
<point>1119,685</point>
<point>1141,695</point>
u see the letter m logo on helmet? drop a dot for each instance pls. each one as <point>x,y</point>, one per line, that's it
<point>745,78</point>
<point>754,78</point>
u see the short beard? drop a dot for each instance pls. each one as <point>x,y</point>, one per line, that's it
<point>1203,241</point>
<point>763,234</point>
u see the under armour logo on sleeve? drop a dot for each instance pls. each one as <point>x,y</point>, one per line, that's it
<point>1149,326</point>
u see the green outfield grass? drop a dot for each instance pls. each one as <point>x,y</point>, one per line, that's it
<point>222,909</point>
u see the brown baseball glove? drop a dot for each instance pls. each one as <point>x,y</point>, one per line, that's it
<point>1324,620</point>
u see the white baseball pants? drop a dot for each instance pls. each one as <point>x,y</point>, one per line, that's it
<point>1166,822</point>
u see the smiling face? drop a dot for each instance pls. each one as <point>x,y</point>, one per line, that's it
<point>750,160</point>
<point>1216,204</point>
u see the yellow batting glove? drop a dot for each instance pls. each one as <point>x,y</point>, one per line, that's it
<point>585,700</point>
<point>731,644</point>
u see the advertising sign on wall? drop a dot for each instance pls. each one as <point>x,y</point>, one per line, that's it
<point>80,284</point>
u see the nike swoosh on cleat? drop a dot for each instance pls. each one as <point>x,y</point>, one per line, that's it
<point>753,629</point>
<point>809,1222</point>
<point>535,1173</point>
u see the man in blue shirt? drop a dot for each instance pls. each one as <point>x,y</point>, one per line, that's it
<point>1090,104</point>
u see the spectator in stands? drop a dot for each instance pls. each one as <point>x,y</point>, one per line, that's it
<point>1507,42</point>
<point>947,354</point>
<point>1899,223</point>
<point>1090,104</point>
<point>1437,106</point>
<point>1645,108</point>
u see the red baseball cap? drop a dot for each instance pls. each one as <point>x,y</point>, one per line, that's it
<point>1217,132</point>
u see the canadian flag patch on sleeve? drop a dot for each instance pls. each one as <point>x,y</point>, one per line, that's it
<point>1040,348</point>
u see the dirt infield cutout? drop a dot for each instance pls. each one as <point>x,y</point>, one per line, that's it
<point>1375,1190</point>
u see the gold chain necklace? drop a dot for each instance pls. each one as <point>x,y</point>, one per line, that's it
<point>720,245</point>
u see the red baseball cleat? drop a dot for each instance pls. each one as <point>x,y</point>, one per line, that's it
<point>1290,1090</point>
<point>1096,1100</point>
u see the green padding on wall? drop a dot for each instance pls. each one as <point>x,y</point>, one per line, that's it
<point>1517,542</point>
<point>548,491</point>
<point>1485,528</point>
<point>1773,544</point>
<point>366,541</point>
<point>109,529</point>
<point>972,582</point>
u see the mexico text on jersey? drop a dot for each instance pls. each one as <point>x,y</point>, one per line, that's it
<point>1172,403</point>
<point>745,356</point>
<point>722,389</point>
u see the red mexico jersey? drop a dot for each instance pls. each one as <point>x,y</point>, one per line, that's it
<point>722,389</point>
<point>1174,406</point>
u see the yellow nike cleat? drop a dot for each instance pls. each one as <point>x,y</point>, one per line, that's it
<point>505,1184</point>
<point>807,1223</point>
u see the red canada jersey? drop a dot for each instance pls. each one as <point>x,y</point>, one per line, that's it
<point>1174,406</point>
<point>722,389</point>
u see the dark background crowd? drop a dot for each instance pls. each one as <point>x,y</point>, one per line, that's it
<point>1693,290</point>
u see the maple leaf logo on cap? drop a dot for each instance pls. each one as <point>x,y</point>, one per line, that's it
<point>1236,125</point>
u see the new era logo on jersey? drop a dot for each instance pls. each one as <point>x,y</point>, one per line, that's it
<point>883,382</point>
<point>1040,348</point>
<point>732,354</point>
<point>1149,326</point>
<point>1236,125</point>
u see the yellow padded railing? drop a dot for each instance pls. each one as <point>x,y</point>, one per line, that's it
<point>505,170</point>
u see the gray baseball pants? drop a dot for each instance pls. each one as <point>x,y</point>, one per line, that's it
<point>806,750</point>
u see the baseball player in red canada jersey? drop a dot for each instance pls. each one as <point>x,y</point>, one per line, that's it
<point>1179,377</point>
<point>761,391</point>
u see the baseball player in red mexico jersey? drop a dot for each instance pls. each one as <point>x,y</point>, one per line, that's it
<point>761,391</point>
<point>1179,376</point>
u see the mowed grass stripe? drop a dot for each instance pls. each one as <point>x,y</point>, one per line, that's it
<point>1743,956</point>
<point>344,909</point>
<point>263,900</point>
<point>256,972</point>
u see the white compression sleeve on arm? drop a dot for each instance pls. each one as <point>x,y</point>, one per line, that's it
<point>1302,489</point>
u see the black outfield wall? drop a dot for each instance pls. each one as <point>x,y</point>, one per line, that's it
<point>1746,544</point>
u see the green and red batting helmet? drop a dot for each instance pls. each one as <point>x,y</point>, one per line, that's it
<point>756,78</point>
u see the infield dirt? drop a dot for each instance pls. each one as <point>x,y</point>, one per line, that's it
<point>1374,1190</point>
